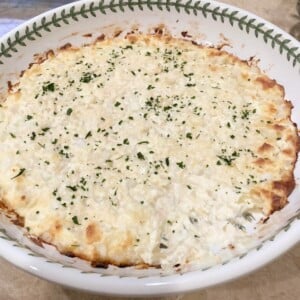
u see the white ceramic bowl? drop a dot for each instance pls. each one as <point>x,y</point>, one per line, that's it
<point>207,22</point>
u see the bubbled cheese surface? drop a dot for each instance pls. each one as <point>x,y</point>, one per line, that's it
<point>142,150</point>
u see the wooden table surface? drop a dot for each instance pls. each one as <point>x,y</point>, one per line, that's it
<point>279,280</point>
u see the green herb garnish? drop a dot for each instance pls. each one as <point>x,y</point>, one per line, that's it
<point>88,135</point>
<point>69,111</point>
<point>181,165</point>
<point>49,87</point>
<point>22,170</point>
<point>75,220</point>
<point>140,156</point>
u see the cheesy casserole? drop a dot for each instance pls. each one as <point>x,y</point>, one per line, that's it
<point>144,150</point>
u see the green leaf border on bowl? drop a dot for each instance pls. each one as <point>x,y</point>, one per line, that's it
<point>202,9</point>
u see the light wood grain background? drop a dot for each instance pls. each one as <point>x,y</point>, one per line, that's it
<point>279,280</point>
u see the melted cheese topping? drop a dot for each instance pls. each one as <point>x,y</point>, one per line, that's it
<point>143,151</point>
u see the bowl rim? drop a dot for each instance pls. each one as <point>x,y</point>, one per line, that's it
<point>253,259</point>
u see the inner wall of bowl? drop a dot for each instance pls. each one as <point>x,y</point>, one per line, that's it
<point>203,30</point>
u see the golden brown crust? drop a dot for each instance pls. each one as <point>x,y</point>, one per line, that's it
<point>278,127</point>
<point>117,33</point>
<point>93,233</point>
<point>266,82</point>
<point>14,217</point>
<point>265,147</point>
<point>286,186</point>
<point>67,46</point>
<point>277,195</point>
<point>87,35</point>
<point>100,38</point>
<point>263,162</point>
